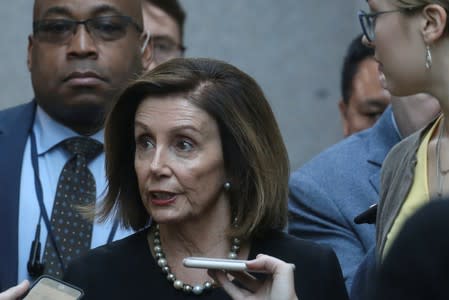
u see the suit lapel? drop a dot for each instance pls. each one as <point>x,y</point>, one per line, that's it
<point>383,137</point>
<point>374,180</point>
<point>15,124</point>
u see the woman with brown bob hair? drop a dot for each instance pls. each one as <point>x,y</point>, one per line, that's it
<point>196,162</point>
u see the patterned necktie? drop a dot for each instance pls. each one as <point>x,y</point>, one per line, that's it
<point>76,186</point>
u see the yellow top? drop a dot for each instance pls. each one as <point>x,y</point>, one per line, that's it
<point>419,192</point>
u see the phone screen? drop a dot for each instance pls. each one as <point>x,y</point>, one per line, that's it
<point>47,288</point>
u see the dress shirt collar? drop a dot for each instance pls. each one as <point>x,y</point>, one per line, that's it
<point>395,125</point>
<point>49,132</point>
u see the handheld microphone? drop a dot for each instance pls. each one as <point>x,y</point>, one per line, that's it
<point>35,266</point>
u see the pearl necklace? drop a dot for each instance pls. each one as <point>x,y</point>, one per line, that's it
<point>162,262</point>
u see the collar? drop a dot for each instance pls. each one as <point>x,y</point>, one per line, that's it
<point>395,125</point>
<point>383,136</point>
<point>50,133</point>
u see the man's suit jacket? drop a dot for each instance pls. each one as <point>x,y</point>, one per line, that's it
<point>15,125</point>
<point>337,185</point>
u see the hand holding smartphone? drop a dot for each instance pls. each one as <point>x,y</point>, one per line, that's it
<point>49,288</point>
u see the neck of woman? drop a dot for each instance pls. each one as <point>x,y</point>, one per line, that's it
<point>204,236</point>
<point>438,78</point>
<point>198,239</point>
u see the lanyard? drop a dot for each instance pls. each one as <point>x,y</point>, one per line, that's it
<point>43,211</point>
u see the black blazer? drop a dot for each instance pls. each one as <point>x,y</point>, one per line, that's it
<point>125,269</point>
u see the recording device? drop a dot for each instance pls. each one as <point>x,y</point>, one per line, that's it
<point>49,288</point>
<point>215,263</point>
<point>35,266</point>
<point>233,265</point>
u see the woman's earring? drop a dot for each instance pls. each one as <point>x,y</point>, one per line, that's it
<point>227,186</point>
<point>428,57</point>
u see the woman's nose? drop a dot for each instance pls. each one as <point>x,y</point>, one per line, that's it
<point>159,163</point>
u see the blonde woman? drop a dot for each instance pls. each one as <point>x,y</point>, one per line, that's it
<point>411,44</point>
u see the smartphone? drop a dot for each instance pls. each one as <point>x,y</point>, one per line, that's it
<point>215,263</point>
<point>49,288</point>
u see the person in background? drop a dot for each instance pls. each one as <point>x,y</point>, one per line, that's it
<point>414,171</point>
<point>329,191</point>
<point>185,155</point>
<point>78,62</point>
<point>164,21</point>
<point>363,98</point>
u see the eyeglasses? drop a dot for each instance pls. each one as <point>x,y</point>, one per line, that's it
<point>166,48</point>
<point>368,22</point>
<point>59,31</point>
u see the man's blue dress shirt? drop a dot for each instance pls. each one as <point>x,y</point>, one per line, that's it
<point>51,159</point>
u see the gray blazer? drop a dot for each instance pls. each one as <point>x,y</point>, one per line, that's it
<point>397,175</point>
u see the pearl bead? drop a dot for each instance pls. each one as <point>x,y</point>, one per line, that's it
<point>157,241</point>
<point>207,285</point>
<point>162,262</point>
<point>187,288</point>
<point>166,269</point>
<point>198,289</point>
<point>232,255</point>
<point>178,284</point>
<point>159,255</point>
<point>171,277</point>
<point>236,241</point>
<point>157,249</point>
<point>235,248</point>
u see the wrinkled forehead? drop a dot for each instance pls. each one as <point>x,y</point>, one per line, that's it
<point>82,9</point>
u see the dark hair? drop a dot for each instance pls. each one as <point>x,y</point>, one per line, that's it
<point>356,53</point>
<point>254,154</point>
<point>174,9</point>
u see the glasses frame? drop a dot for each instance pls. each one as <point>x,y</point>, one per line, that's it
<point>366,18</point>
<point>85,22</point>
<point>178,50</point>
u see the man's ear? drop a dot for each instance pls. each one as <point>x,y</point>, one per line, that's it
<point>29,51</point>
<point>435,18</point>
<point>146,50</point>
<point>343,108</point>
